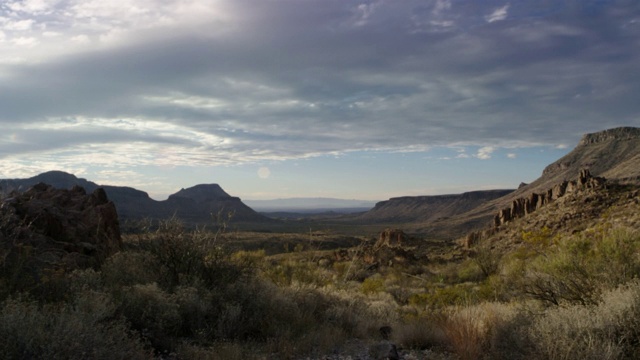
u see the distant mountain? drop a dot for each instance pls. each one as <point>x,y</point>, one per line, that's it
<point>424,209</point>
<point>310,205</point>
<point>199,204</point>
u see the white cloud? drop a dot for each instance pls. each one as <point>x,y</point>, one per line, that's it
<point>19,25</point>
<point>498,14</point>
<point>25,41</point>
<point>51,34</point>
<point>484,153</point>
<point>81,39</point>
<point>363,12</point>
<point>33,6</point>
<point>512,155</point>
<point>441,6</point>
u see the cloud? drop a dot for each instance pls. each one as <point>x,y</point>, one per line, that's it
<point>498,14</point>
<point>227,82</point>
<point>484,153</point>
<point>512,155</point>
<point>19,25</point>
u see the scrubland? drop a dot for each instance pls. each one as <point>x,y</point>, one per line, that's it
<point>174,293</point>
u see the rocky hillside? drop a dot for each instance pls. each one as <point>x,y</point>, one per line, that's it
<point>613,154</point>
<point>198,205</point>
<point>591,206</point>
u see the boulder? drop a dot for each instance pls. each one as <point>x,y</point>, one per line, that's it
<point>57,229</point>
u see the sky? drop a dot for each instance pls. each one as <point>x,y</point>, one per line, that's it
<point>366,99</point>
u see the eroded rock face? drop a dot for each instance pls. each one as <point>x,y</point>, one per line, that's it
<point>390,238</point>
<point>526,205</point>
<point>60,229</point>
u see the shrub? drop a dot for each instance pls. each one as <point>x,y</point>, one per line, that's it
<point>372,285</point>
<point>607,330</point>
<point>487,260</point>
<point>420,333</point>
<point>85,329</point>
<point>128,268</point>
<point>152,312</point>
<point>578,268</point>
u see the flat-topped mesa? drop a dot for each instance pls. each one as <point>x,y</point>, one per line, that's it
<point>621,133</point>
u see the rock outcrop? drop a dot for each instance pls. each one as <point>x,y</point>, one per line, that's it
<point>52,229</point>
<point>391,238</point>
<point>524,206</point>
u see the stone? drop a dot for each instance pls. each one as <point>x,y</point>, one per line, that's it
<point>64,229</point>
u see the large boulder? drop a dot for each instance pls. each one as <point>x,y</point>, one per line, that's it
<point>52,229</point>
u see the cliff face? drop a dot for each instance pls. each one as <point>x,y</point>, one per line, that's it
<point>617,134</point>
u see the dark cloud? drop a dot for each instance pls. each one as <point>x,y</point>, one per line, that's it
<point>294,78</point>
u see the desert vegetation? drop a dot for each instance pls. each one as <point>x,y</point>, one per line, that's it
<point>173,292</point>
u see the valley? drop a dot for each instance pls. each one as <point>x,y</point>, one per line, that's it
<point>545,271</point>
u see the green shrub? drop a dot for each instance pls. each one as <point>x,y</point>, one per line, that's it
<point>578,268</point>
<point>487,260</point>
<point>372,285</point>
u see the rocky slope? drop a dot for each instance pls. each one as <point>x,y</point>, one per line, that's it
<point>613,154</point>
<point>591,207</point>
<point>198,205</point>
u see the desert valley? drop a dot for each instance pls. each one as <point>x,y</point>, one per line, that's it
<point>545,271</point>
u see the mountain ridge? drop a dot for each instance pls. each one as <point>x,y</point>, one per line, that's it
<point>198,204</point>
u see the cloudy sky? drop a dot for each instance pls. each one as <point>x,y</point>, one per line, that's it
<point>320,98</point>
